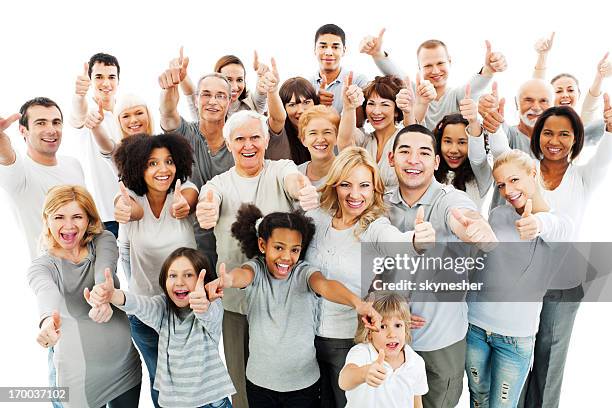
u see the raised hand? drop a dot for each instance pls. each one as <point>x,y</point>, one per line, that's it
<point>49,333</point>
<point>83,81</point>
<point>544,45</point>
<point>326,98</point>
<point>377,372</point>
<point>370,317</point>
<point>215,288</point>
<point>102,292</point>
<point>307,194</point>
<point>404,100</point>
<point>258,67</point>
<point>123,206</point>
<point>176,72</point>
<point>492,110</point>
<point>95,117</point>
<point>5,123</point>
<point>197,298</point>
<point>207,211</point>
<point>373,45</point>
<point>468,108</point>
<point>607,112</point>
<point>494,61</point>
<point>425,90</point>
<point>180,207</point>
<point>352,95</point>
<point>269,80</point>
<point>528,225</point>
<point>424,233</point>
<point>604,68</point>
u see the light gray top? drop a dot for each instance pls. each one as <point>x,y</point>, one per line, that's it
<point>368,141</point>
<point>97,361</point>
<point>190,372</point>
<point>317,183</point>
<point>446,321</point>
<point>281,315</point>
<point>335,87</point>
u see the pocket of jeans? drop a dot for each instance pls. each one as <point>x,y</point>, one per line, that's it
<point>524,346</point>
<point>224,403</point>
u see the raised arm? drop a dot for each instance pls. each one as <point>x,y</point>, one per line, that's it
<point>79,99</point>
<point>269,83</point>
<point>404,100</point>
<point>186,86</point>
<point>236,278</point>
<point>352,98</point>
<point>542,48</point>
<point>299,187</point>
<point>169,81</point>
<point>425,94</point>
<point>7,154</point>
<point>469,226</point>
<point>590,103</point>
<point>494,61</point>
<point>372,46</point>
<point>93,121</point>
<point>594,172</point>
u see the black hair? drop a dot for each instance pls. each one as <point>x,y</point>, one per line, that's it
<point>302,89</point>
<point>330,29</point>
<point>386,87</point>
<point>464,173</point>
<point>577,127</point>
<point>243,229</point>
<point>132,155</point>
<point>106,59</point>
<point>199,262</point>
<point>416,129</point>
<point>38,101</point>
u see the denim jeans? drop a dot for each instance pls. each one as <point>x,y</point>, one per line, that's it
<point>224,403</point>
<point>146,340</point>
<point>543,386</point>
<point>496,367</point>
<point>53,376</point>
<point>112,226</point>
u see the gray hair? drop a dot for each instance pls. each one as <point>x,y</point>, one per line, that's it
<point>215,75</point>
<point>239,118</point>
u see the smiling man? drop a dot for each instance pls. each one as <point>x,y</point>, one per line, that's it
<point>101,74</point>
<point>27,178</point>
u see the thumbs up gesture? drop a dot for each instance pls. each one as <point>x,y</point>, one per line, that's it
<point>424,233</point>
<point>604,68</point>
<point>83,81</point>
<point>373,45</point>
<point>215,288</point>
<point>49,333</point>
<point>307,193</point>
<point>475,230</point>
<point>102,292</point>
<point>352,95</point>
<point>469,109</point>
<point>197,298</point>
<point>528,226</point>
<point>492,110</point>
<point>95,117</point>
<point>544,45</point>
<point>123,206</point>
<point>325,97</point>
<point>180,207</point>
<point>268,81</point>
<point>425,90</point>
<point>207,211</point>
<point>404,100</point>
<point>377,372</point>
<point>607,112</point>
<point>494,61</point>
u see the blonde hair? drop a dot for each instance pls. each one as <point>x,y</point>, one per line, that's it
<point>515,156</point>
<point>387,304</point>
<point>318,111</point>
<point>58,197</point>
<point>348,160</point>
<point>128,101</point>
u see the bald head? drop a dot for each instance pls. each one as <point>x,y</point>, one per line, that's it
<point>534,97</point>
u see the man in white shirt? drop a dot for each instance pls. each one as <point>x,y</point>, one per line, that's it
<point>27,178</point>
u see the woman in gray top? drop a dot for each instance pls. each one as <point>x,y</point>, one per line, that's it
<point>97,362</point>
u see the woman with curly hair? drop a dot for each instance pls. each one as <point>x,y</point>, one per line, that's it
<point>158,217</point>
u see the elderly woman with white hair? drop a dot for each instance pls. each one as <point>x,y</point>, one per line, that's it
<point>271,186</point>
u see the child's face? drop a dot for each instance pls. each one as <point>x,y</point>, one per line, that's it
<point>181,280</point>
<point>282,251</point>
<point>391,337</point>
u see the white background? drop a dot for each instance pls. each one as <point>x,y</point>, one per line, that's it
<point>44,45</point>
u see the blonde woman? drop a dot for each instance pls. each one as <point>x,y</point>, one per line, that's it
<point>96,361</point>
<point>352,211</point>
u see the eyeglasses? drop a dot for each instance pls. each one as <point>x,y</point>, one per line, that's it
<point>207,96</point>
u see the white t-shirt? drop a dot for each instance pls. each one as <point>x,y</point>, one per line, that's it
<point>27,183</point>
<point>400,385</point>
<point>151,240</point>
<point>100,176</point>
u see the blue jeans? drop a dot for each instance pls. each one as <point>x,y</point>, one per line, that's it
<point>146,340</point>
<point>224,403</point>
<point>496,367</point>
<point>53,376</point>
<point>543,386</point>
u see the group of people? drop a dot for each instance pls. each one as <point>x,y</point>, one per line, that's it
<point>246,217</point>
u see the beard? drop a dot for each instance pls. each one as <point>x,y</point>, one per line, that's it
<point>529,122</point>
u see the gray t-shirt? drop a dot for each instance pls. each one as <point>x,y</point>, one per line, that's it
<point>278,147</point>
<point>446,321</point>
<point>281,315</point>
<point>98,362</point>
<point>317,183</point>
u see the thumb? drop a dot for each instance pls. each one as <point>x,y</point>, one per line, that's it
<point>108,277</point>
<point>180,61</point>
<point>420,215</point>
<point>460,217</point>
<point>86,69</point>
<point>100,109</point>
<point>124,192</point>
<point>380,34</point>
<point>303,181</point>
<point>86,294</point>
<point>606,98</point>
<point>323,84</point>
<point>528,208</point>
<point>495,90</point>
<point>407,82</point>
<point>200,283</point>
<point>255,61</point>
<point>274,69</point>
<point>209,196</point>
<point>381,356</point>
<point>177,190</point>
<point>350,78</point>
<point>418,79</point>
<point>604,58</point>
<point>467,91</point>
<point>488,45</point>
<point>502,104</point>
<point>57,321</point>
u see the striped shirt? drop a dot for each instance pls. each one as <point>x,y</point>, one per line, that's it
<point>190,372</point>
